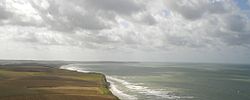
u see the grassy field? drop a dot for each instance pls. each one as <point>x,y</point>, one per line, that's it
<point>47,83</point>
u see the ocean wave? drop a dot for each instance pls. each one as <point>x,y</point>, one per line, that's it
<point>147,91</point>
<point>119,93</point>
<point>135,87</point>
<point>73,67</point>
<point>113,88</point>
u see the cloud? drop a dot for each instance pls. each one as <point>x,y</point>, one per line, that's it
<point>132,24</point>
<point>66,16</point>
<point>145,18</point>
<point>195,9</point>
<point>19,13</point>
<point>117,6</point>
<point>69,16</point>
<point>4,14</point>
<point>127,29</point>
<point>235,23</point>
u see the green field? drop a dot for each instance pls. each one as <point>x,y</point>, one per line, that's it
<point>48,83</point>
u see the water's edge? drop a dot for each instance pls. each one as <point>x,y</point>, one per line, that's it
<point>107,84</point>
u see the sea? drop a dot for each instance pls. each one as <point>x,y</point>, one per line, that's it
<point>172,81</point>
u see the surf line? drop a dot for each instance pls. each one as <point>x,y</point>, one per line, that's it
<point>113,88</point>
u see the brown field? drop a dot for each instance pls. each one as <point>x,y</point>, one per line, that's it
<point>47,83</point>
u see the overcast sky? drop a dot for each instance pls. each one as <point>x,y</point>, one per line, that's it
<point>126,30</point>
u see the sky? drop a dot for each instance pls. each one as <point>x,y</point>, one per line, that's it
<point>126,30</point>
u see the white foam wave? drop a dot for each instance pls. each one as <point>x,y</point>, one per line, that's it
<point>74,68</point>
<point>146,91</point>
<point>130,86</point>
<point>119,93</point>
<point>113,88</point>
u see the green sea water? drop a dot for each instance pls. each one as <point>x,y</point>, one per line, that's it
<point>174,81</point>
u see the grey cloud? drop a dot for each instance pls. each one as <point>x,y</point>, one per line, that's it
<point>27,37</point>
<point>71,15</point>
<point>144,18</point>
<point>235,23</point>
<point>118,6</point>
<point>4,13</point>
<point>108,39</point>
<point>225,24</point>
<point>15,20</point>
<point>11,18</point>
<point>76,21</point>
<point>131,38</point>
<point>217,7</point>
<point>238,40</point>
<point>65,16</point>
<point>193,9</point>
<point>42,38</point>
<point>187,41</point>
<point>149,19</point>
<point>234,39</point>
<point>100,39</point>
<point>230,29</point>
<point>93,24</point>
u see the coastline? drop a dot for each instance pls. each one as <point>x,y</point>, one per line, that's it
<point>29,82</point>
<point>116,82</point>
<point>108,84</point>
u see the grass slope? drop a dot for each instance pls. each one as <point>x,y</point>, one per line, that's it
<point>46,83</point>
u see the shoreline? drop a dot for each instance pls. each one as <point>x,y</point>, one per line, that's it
<point>116,82</point>
<point>109,85</point>
<point>106,84</point>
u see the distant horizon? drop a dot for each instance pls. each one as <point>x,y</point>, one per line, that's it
<point>117,61</point>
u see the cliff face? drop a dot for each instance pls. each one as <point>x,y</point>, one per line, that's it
<point>105,85</point>
<point>45,83</point>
